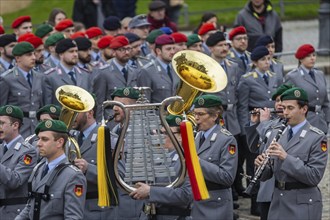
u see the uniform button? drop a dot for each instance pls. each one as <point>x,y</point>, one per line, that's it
<point>37,203</point>
<point>32,120</point>
<point>268,92</point>
<point>18,210</point>
<point>317,98</point>
<point>92,161</point>
<point>52,195</point>
<point>31,94</point>
<point>317,91</point>
<point>310,200</point>
<point>210,158</point>
<point>316,113</point>
<point>228,100</point>
<point>270,100</point>
<point>227,92</point>
<point>281,194</point>
<point>219,198</point>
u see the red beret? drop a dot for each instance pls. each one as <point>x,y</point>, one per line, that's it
<point>304,50</point>
<point>35,41</point>
<point>18,21</point>
<point>119,41</point>
<point>24,37</point>
<point>104,42</point>
<point>164,39</point>
<point>236,31</point>
<point>64,24</point>
<point>93,32</point>
<point>179,37</point>
<point>2,30</point>
<point>206,28</point>
<point>77,34</point>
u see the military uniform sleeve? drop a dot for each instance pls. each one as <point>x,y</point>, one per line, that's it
<point>144,80</point>
<point>99,88</point>
<point>74,196</point>
<point>91,173</point>
<point>4,91</point>
<point>223,169</point>
<point>19,176</point>
<point>243,103</point>
<point>24,214</point>
<point>47,90</point>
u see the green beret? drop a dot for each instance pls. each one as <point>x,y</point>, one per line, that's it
<point>174,120</point>
<point>49,109</point>
<point>281,89</point>
<point>43,30</point>
<point>207,101</point>
<point>51,125</point>
<point>22,48</point>
<point>193,38</point>
<point>53,39</point>
<point>153,35</point>
<point>126,92</point>
<point>12,111</point>
<point>295,93</point>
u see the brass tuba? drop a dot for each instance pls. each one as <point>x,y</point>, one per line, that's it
<point>73,100</point>
<point>198,73</point>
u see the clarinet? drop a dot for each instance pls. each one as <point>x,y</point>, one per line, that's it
<point>262,167</point>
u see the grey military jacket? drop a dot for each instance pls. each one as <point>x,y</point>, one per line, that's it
<point>15,90</point>
<point>16,166</point>
<point>49,62</point>
<point>57,77</point>
<point>275,67</point>
<point>67,194</point>
<point>317,95</point>
<point>253,92</point>
<point>305,163</point>
<point>153,75</point>
<point>218,159</point>
<point>232,56</point>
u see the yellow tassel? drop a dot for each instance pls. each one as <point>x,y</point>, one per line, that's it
<point>102,174</point>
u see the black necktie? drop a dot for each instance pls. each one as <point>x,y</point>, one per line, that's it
<point>29,79</point>
<point>97,57</point>
<point>265,76</point>
<point>72,76</point>
<point>312,74</point>
<point>10,66</point>
<point>124,71</point>
<point>144,50</point>
<point>224,67</point>
<point>243,60</point>
<point>5,149</point>
<point>134,63</point>
<point>169,72</point>
<point>290,134</point>
<point>201,141</point>
<point>81,138</point>
<point>45,171</point>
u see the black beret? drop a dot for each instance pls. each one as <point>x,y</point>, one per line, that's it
<point>83,43</point>
<point>215,38</point>
<point>132,37</point>
<point>156,5</point>
<point>264,40</point>
<point>7,39</point>
<point>259,52</point>
<point>111,23</point>
<point>64,45</point>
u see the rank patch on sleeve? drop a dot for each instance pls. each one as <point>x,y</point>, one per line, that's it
<point>232,149</point>
<point>324,146</point>
<point>27,159</point>
<point>78,190</point>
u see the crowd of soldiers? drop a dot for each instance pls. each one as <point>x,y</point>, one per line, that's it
<point>235,126</point>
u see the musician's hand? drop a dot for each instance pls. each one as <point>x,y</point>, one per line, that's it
<point>81,164</point>
<point>275,149</point>
<point>255,118</point>
<point>259,160</point>
<point>264,114</point>
<point>142,191</point>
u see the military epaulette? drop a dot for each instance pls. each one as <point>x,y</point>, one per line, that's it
<point>271,74</point>
<point>226,132</point>
<point>149,64</point>
<point>316,130</point>
<point>294,70</point>
<point>94,63</point>
<point>49,71</point>
<point>276,61</point>
<point>231,54</point>
<point>254,74</point>
<point>27,145</point>
<point>143,58</point>
<point>6,72</point>
<point>74,168</point>
<point>104,66</point>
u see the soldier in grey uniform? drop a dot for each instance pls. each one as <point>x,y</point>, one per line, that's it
<point>171,203</point>
<point>17,159</point>
<point>258,132</point>
<point>238,51</point>
<point>50,44</point>
<point>217,153</point>
<point>87,127</point>
<point>105,51</point>
<point>21,86</point>
<point>298,162</point>
<point>159,75</point>
<point>116,74</point>
<point>84,46</point>
<point>66,73</point>
<point>7,43</point>
<point>313,81</point>
<point>57,189</point>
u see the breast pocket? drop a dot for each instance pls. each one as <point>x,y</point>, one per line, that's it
<point>56,202</point>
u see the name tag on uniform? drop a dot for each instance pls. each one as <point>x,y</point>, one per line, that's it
<point>303,133</point>
<point>214,136</point>
<point>175,158</point>
<point>94,136</point>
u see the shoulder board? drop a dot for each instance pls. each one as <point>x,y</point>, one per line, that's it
<point>271,74</point>
<point>247,53</point>
<point>7,72</point>
<point>231,54</point>
<point>27,144</point>
<point>104,66</point>
<point>276,61</point>
<point>94,63</point>
<point>316,130</point>
<point>143,58</point>
<point>148,64</point>
<point>74,168</point>
<point>254,74</point>
<point>226,132</point>
<point>294,70</point>
<point>49,71</point>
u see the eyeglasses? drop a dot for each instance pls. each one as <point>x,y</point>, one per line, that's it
<point>123,49</point>
<point>2,123</point>
<point>241,38</point>
<point>199,114</point>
